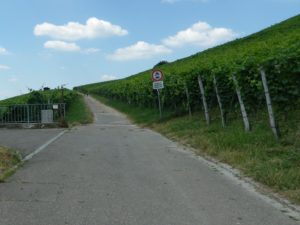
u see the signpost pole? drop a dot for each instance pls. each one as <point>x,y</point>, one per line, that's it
<point>159,104</point>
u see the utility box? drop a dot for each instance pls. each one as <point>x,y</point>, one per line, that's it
<point>47,116</point>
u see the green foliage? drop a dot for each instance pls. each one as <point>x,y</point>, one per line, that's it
<point>79,112</point>
<point>42,97</point>
<point>276,49</point>
<point>160,63</point>
<point>8,160</point>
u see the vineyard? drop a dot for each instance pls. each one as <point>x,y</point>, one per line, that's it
<point>242,77</point>
<point>42,97</point>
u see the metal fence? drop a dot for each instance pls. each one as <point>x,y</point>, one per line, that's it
<point>32,113</point>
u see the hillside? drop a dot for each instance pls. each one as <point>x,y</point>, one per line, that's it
<point>277,49</point>
<point>271,161</point>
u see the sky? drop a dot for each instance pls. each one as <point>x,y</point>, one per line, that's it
<point>49,43</point>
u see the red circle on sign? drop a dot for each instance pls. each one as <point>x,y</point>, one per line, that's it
<point>157,75</point>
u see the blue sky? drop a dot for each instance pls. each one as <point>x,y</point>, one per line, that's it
<point>74,42</point>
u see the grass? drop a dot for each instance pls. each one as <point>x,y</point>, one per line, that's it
<point>79,112</point>
<point>9,160</point>
<point>256,154</point>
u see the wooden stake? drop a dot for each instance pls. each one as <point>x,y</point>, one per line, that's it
<point>219,102</point>
<point>204,100</point>
<point>242,105</point>
<point>269,104</point>
<point>188,99</point>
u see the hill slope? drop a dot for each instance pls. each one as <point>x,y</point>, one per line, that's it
<point>257,154</point>
<point>277,49</point>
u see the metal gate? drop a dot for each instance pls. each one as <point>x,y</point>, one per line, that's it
<point>32,113</point>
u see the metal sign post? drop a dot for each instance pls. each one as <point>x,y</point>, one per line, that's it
<point>158,84</point>
<point>159,104</point>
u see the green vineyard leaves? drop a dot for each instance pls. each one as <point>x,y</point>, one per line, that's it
<point>276,49</point>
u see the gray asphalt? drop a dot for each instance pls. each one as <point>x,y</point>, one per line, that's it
<point>26,140</point>
<point>114,173</point>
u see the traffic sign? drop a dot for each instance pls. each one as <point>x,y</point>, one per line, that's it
<point>157,75</point>
<point>158,85</point>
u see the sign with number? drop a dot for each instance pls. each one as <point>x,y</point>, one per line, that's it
<point>158,85</point>
<point>157,75</point>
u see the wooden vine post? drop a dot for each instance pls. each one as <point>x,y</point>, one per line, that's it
<point>269,103</point>
<point>242,105</point>
<point>204,100</point>
<point>188,99</point>
<point>219,101</point>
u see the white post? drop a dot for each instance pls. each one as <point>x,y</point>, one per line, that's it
<point>242,105</point>
<point>203,100</point>
<point>269,103</point>
<point>219,101</point>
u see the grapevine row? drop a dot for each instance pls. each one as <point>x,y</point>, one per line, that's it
<point>276,50</point>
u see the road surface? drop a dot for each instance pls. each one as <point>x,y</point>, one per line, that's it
<point>26,140</point>
<point>114,173</point>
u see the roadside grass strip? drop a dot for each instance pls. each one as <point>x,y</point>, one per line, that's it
<point>78,112</point>
<point>10,160</point>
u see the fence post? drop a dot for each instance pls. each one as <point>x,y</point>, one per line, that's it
<point>188,99</point>
<point>203,100</point>
<point>242,105</point>
<point>219,102</point>
<point>269,103</point>
<point>28,119</point>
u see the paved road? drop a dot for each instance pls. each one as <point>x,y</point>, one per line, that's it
<point>114,173</point>
<point>26,140</point>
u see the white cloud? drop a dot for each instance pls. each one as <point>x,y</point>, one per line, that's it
<point>140,50</point>
<point>3,51</point>
<point>62,46</point>
<point>69,47</point>
<point>200,34</point>
<point>108,77</point>
<point>90,51</point>
<point>93,28</point>
<point>3,67</point>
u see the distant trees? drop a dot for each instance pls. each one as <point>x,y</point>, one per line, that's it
<point>160,63</point>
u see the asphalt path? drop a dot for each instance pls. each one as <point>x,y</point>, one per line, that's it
<point>26,140</point>
<point>115,173</point>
